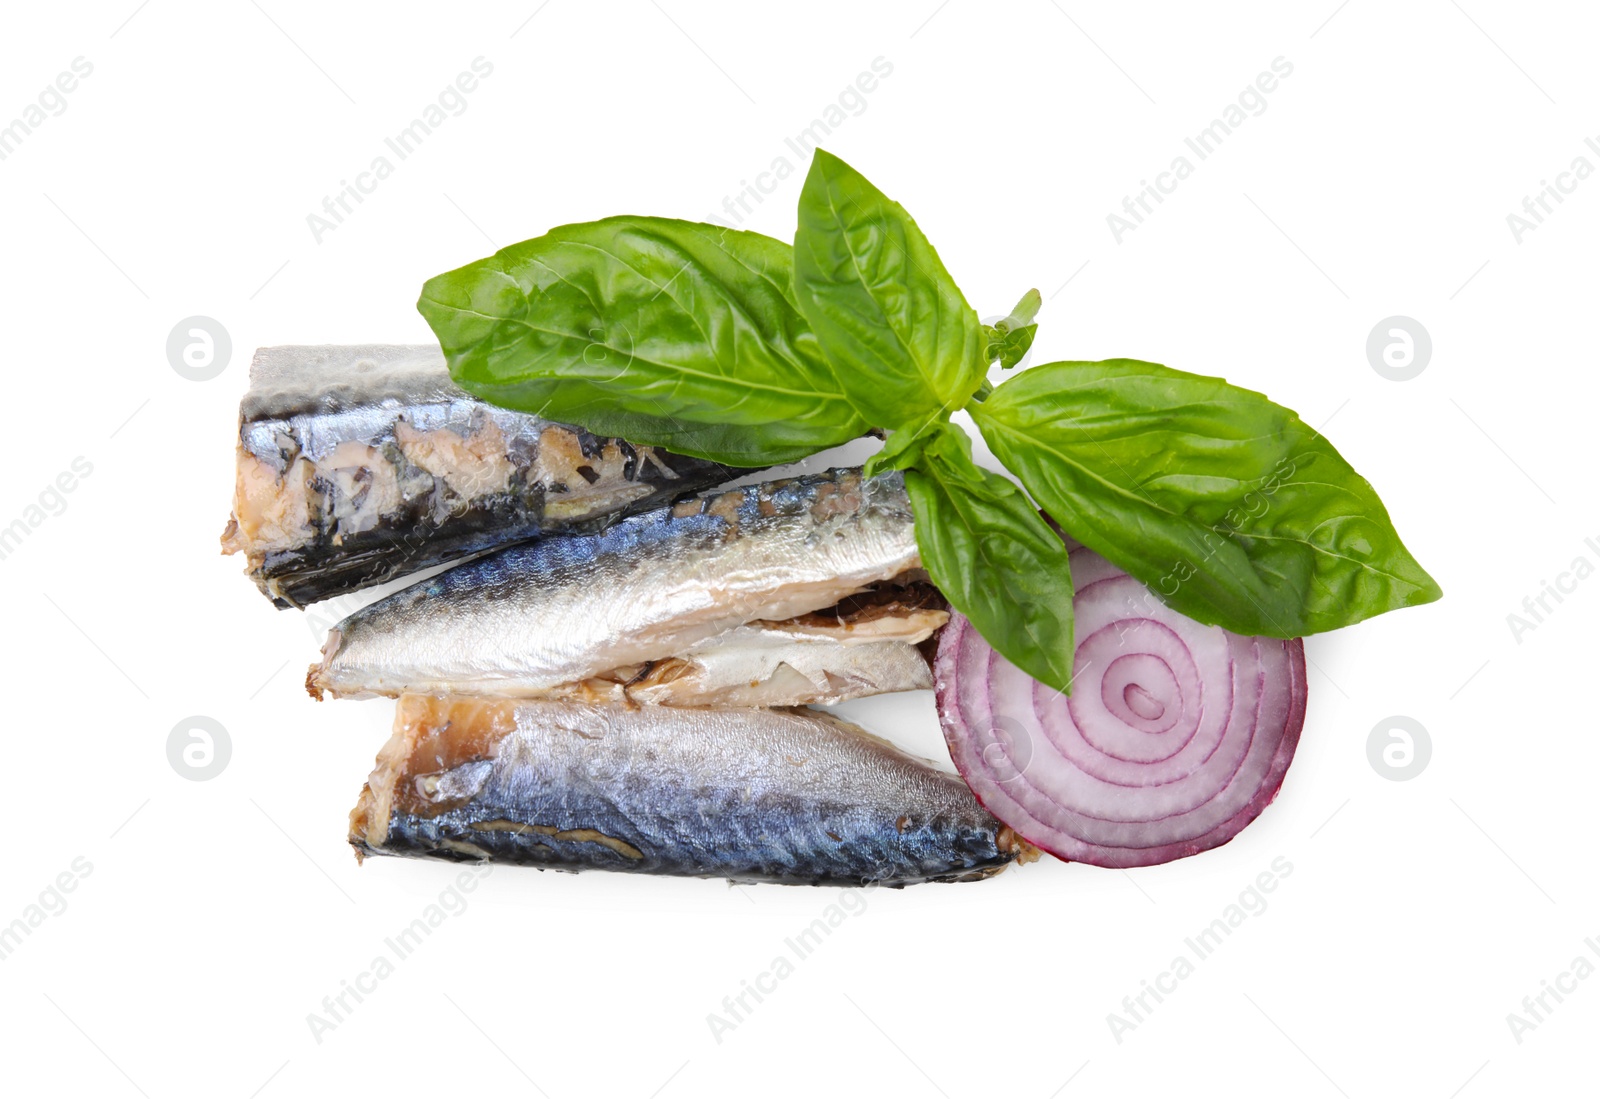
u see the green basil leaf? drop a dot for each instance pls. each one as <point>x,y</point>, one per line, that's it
<point>904,344</point>
<point>994,556</point>
<point>1008,339</point>
<point>593,408</point>
<point>901,450</point>
<point>1227,506</point>
<point>1007,346</point>
<point>674,322</point>
<point>1014,345</point>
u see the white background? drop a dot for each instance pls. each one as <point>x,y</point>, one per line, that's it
<point>219,914</point>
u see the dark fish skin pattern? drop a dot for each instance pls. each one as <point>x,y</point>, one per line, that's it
<point>791,797</point>
<point>413,539</point>
<point>304,402</point>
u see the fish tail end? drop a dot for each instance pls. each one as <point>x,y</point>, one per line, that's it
<point>317,680</point>
<point>369,820</point>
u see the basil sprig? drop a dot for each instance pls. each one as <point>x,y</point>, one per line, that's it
<point>731,346</point>
<point>1008,339</point>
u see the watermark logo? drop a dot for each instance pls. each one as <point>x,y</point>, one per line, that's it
<point>1199,947</point>
<point>337,1007</point>
<point>1540,606</point>
<point>1399,348</point>
<point>199,748</point>
<point>1236,521</point>
<point>1399,748</point>
<point>1539,1006</point>
<point>50,103</point>
<point>1006,749</point>
<point>737,1007</point>
<point>199,348</point>
<point>1538,206</point>
<point>52,901</point>
<point>851,102</point>
<point>51,501</point>
<point>1251,102</point>
<point>451,102</point>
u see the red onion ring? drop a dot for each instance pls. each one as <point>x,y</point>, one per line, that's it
<point>1175,737</point>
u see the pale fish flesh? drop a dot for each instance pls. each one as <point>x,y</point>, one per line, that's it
<point>795,797</point>
<point>539,618</point>
<point>878,643</point>
<point>360,464</point>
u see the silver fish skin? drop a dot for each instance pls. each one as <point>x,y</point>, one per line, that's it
<point>359,464</point>
<point>561,610</point>
<point>793,797</point>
